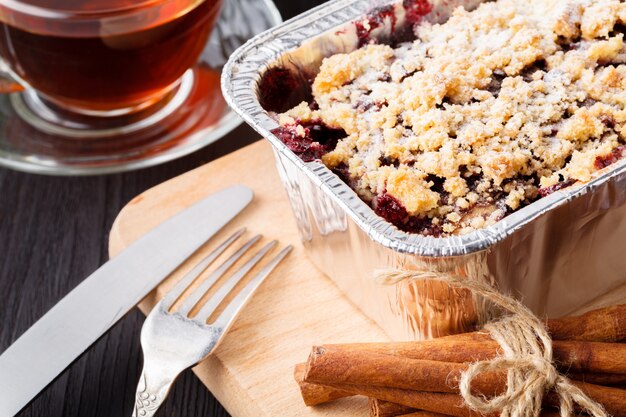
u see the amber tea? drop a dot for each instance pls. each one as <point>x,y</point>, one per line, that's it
<point>104,55</point>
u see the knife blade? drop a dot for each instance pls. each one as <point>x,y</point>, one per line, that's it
<point>90,309</point>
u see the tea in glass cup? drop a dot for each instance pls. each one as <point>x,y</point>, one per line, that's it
<point>103,57</point>
<point>101,86</point>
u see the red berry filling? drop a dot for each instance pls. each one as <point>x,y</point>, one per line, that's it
<point>373,20</point>
<point>280,89</point>
<point>416,10</point>
<point>318,139</point>
<point>556,187</point>
<point>606,160</point>
<point>389,208</point>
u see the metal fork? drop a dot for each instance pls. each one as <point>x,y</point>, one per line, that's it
<point>174,341</point>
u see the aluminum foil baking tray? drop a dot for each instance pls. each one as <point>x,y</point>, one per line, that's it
<point>563,253</point>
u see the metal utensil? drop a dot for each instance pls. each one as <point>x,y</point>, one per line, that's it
<point>175,341</point>
<point>88,311</point>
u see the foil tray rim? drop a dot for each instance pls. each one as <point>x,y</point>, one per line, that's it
<point>239,87</point>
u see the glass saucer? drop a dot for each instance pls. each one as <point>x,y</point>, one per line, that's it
<point>195,115</point>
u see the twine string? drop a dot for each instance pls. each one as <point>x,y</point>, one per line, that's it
<point>527,355</point>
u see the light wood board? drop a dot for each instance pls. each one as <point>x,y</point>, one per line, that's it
<point>251,372</point>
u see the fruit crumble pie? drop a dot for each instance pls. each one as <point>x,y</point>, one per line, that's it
<point>477,117</point>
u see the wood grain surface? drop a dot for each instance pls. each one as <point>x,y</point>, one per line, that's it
<point>251,372</point>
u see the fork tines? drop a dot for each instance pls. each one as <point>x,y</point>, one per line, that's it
<point>209,307</point>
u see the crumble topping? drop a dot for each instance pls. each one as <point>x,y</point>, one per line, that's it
<point>478,116</point>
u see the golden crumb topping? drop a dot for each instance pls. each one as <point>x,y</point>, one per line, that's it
<point>480,115</point>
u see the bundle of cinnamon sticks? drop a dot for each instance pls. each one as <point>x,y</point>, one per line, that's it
<point>420,379</point>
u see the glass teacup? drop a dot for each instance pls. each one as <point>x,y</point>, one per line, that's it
<point>103,57</point>
<point>101,78</point>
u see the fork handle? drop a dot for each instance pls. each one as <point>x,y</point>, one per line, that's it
<point>152,389</point>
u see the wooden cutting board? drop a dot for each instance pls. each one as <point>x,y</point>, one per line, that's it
<point>251,371</point>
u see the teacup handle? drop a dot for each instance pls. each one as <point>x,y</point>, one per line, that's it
<point>8,83</point>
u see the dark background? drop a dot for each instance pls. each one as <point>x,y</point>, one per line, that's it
<point>53,234</point>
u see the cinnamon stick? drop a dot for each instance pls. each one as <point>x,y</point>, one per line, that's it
<point>315,394</point>
<point>601,325</point>
<point>369,370</point>
<point>434,402</point>
<point>422,413</point>
<point>616,380</point>
<point>431,402</point>
<point>443,403</point>
<point>381,408</point>
<point>590,357</point>
<point>612,399</point>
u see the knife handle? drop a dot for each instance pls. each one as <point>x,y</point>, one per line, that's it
<point>152,389</point>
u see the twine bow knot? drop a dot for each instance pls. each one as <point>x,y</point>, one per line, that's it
<point>526,356</point>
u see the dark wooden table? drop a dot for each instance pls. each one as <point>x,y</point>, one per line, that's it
<point>53,234</point>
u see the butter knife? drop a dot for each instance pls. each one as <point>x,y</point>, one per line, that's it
<point>90,309</point>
